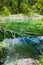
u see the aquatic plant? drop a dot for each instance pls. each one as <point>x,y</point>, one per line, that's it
<point>3,52</point>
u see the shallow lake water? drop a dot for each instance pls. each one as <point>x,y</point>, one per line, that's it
<point>23,48</point>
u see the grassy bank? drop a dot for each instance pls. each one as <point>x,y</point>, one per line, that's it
<point>26,27</point>
<point>22,29</point>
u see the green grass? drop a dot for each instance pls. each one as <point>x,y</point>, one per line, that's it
<point>35,27</point>
<point>25,28</point>
<point>40,62</point>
